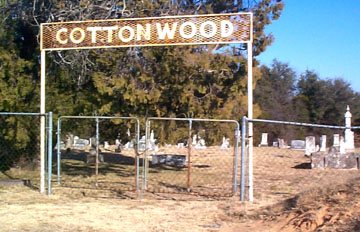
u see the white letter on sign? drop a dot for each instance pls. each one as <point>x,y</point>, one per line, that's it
<point>58,36</point>
<point>110,32</point>
<point>82,35</point>
<point>93,33</point>
<point>131,36</point>
<point>140,31</point>
<point>182,30</point>
<point>227,28</point>
<point>212,32</point>
<point>166,31</point>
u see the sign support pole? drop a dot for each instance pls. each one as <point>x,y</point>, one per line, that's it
<point>250,116</point>
<point>42,122</point>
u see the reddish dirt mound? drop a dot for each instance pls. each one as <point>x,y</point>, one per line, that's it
<point>333,208</point>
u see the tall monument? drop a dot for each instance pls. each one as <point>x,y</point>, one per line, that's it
<point>349,135</point>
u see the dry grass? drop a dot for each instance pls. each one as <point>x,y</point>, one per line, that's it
<point>288,197</point>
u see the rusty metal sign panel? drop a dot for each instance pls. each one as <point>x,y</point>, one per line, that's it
<point>157,31</point>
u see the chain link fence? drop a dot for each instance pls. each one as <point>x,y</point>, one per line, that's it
<point>20,147</point>
<point>98,152</point>
<point>290,157</point>
<point>191,156</point>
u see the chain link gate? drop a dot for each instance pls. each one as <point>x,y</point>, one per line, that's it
<point>98,152</point>
<point>20,157</point>
<point>191,156</point>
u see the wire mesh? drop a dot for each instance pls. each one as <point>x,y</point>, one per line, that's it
<point>98,153</point>
<point>191,157</point>
<point>283,166</point>
<point>20,147</point>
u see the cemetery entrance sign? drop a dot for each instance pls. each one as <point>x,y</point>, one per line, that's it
<point>139,32</point>
<point>160,31</point>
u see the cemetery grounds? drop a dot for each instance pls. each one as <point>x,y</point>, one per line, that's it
<point>288,196</point>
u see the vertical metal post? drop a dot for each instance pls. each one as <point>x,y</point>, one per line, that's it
<point>237,135</point>
<point>138,152</point>
<point>50,151</point>
<point>243,150</point>
<point>42,122</point>
<point>250,116</point>
<point>145,157</point>
<point>58,150</point>
<point>189,156</point>
<point>97,153</point>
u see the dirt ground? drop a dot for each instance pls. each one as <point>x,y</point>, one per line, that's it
<point>288,196</point>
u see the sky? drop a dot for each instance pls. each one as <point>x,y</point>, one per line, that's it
<point>318,35</point>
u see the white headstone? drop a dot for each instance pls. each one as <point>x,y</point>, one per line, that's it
<point>152,136</point>
<point>180,145</point>
<point>336,140</point>
<point>281,143</point>
<point>225,144</point>
<point>76,139</point>
<point>200,144</point>
<point>264,139</point>
<point>297,144</point>
<point>106,145</point>
<point>310,145</point>
<point>323,143</point>
<point>117,142</point>
<point>194,140</point>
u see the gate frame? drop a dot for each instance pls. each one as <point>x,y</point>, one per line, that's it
<point>48,118</point>
<point>137,132</point>
<point>190,120</point>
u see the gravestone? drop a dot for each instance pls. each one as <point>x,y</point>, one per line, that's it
<point>69,140</point>
<point>335,160</point>
<point>310,145</point>
<point>169,159</point>
<point>80,143</point>
<point>62,145</point>
<point>200,144</point>
<point>180,145</point>
<point>275,144</point>
<point>264,140</point>
<point>194,140</point>
<point>281,144</point>
<point>297,144</point>
<point>323,143</point>
<point>225,144</point>
<point>106,145</point>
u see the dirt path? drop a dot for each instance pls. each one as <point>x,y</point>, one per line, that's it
<point>288,197</point>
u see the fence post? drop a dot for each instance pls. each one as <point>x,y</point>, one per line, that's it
<point>58,149</point>
<point>237,135</point>
<point>50,151</point>
<point>137,158</point>
<point>97,153</point>
<point>243,130</point>
<point>189,156</point>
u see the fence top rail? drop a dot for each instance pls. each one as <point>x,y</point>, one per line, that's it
<point>194,119</point>
<point>99,117</point>
<point>23,114</point>
<point>302,124</point>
